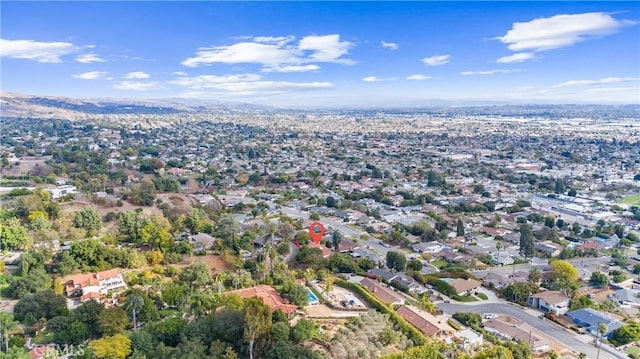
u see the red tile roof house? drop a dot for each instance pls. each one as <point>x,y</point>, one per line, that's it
<point>269,295</point>
<point>425,322</point>
<point>326,252</point>
<point>93,285</point>
<point>381,292</point>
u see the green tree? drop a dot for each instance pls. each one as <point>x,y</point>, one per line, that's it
<point>42,304</point>
<point>113,321</point>
<point>527,244</point>
<point>36,280</point>
<point>414,264</point>
<point>626,334</point>
<point>7,324</point>
<point>304,330</point>
<point>460,228</point>
<point>257,319</point>
<point>88,219</point>
<point>598,279</point>
<point>13,235</point>
<point>396,260</point>
<point>133,304</point>
<point>196,276</point>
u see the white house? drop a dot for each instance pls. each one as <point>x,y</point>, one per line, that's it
<point>93,285</point>
<point>60,191</point>
<point>550,301</point>
<point>427,247</point>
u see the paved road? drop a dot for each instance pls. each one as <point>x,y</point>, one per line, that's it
<point>591,263</point>
<point>293,252</point>
<point>549,328</point>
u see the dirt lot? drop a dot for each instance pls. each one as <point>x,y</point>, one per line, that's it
<point>216,263</point>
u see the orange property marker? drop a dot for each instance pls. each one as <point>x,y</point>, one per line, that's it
<point>316,231</point>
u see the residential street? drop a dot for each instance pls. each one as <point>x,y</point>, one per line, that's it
<point>549,328</point>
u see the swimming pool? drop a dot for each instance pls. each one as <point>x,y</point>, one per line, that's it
<point>446,280</point>
<point>312,297</point>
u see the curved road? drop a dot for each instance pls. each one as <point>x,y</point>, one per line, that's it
<point>547,327</point>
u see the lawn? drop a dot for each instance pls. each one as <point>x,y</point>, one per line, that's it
<point>464,298</point>
<point>632,200</point>
<point>633,350</point>
<point>482,296</point>
<point>42,338</point>
<point>439,263</point>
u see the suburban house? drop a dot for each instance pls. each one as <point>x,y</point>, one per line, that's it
<point>326,252</point>
<point>381,292</point>
<point>427,247</point>
<point>548,248</point>
<point>93,285</point>
<point>497,280</point>
<point>465,286</point>
<point>425,322</point>
<point>202,241</point>
<point>270,297</point>
<point>591,319</point>
<point>61,191</point>
<point>628,297</point>
<point>470,338</point>
<point>550,301</point>
<point>516,330</point>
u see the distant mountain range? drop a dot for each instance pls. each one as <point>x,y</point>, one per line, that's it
<point>20,105</point>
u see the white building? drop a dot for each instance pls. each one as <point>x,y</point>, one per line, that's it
<point>61,191</point>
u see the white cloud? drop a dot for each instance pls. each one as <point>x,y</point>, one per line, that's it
<point>488,72</point>
<point>371,79</point>
<point>138,86</point>
<point>246,84</point>
<point>137,75</point>
<point>291,68</point>
<point>418,77</point>
<point>519,57</point>
<point>609,90</point>
<point>243,52</point>
<point>390,45</point>
<point>437,60</point>
<point>92,75</point>
<point>89,58</point>
<point>179,73</point>
<point>603,81</point>
<point>558,31</point>
<point>213,81</point>
<point>45,52</point>
<point>276,52</point>
<point>326,48</point>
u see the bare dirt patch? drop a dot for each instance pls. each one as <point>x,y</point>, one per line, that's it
<point>216,263</point>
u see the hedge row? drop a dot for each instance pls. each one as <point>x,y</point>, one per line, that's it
<point>437,283</point>
<point>412,333</point>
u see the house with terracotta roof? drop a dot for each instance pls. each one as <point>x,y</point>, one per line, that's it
<point>425,322</point>
<point>93,285</point>
<point>550,301</point>
<point>270,297</point>
<point>326,252</point>
<point>381,292</point>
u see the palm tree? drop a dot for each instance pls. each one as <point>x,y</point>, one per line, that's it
<point>309,274</point>
<point>133,303</point>
<point>426,304</point>
<point>7,324</point>
<point>602,329</point>
<point>534,278</point>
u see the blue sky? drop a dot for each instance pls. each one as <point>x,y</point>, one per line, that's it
<point>300,54</point>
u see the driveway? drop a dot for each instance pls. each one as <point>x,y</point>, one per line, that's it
<point>551,329</point>
<point>293,252</point>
